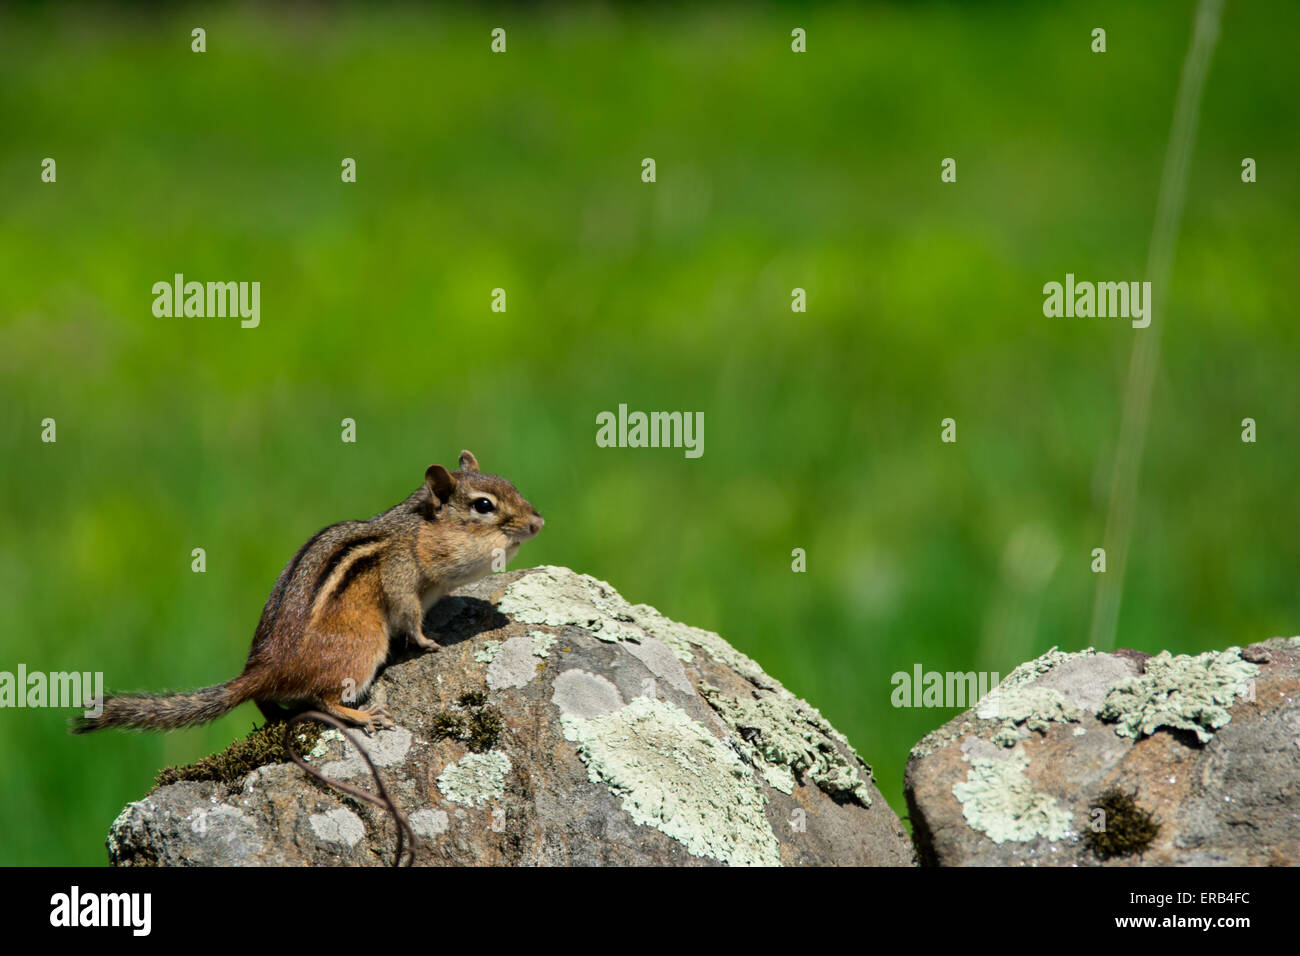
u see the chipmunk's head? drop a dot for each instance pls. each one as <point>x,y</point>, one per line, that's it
<point>488,510</point>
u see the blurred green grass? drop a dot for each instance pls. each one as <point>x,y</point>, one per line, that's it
<point>522,171</point>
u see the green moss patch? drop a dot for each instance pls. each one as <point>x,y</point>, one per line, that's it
<point>472,722</point>
<point>264,745</point>
<point>1128,829</point>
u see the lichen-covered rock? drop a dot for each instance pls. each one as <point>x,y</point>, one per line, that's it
<point>559,724</point>
<point>1121,759</point>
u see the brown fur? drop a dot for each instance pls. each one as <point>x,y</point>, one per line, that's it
<point>353,587</point>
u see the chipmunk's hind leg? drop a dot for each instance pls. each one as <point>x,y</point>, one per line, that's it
<point>373,716</point>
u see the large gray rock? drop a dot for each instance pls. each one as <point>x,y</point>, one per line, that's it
<point>558,725</point>
<point>1192,760</point>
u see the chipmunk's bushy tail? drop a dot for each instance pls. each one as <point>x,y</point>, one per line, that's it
<point>168,711</point>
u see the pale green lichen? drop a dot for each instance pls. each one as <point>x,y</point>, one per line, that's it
<point>795,708</point>
<point>1007,735</point>
<point>475,779</point>
<point>1183,692</point>
<point>488,652</point>
<point>1034,707</point>
<point>787,739</point>
<point>542,643</point>
<point>558,597</point>
<point>1016,702</point>
<point>675,776</point>
<point>998,800</point>
<point>324,743</point>
<point>778,778</point>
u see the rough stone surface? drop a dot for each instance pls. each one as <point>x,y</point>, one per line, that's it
<point>626,738</point>
<point>1209,744</point>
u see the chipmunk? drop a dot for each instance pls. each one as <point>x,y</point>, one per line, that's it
<point>354,586</point>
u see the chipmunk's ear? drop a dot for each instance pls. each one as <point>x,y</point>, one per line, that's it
<point>441,483</point>
<point>467,461</point>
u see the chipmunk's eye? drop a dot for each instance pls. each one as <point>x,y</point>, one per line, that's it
<point>483,506</point>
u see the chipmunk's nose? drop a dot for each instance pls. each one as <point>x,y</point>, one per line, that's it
<point>535,523</point>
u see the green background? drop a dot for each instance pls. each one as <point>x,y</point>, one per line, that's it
<point>522,171</point>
